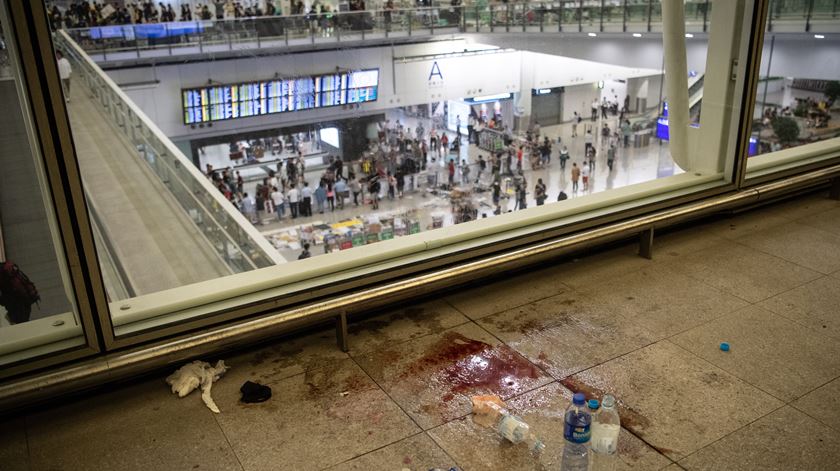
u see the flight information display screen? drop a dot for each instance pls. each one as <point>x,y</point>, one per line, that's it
<point>220,102</point>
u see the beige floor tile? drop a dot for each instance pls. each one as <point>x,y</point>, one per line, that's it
<point>784,440</point>
<point>590,271</point>
<point>742,271</point>
<point>768,351</point>
<point>403,324</point>
<point>662,300</point>
<point>550,333</point>
<point>828,221</point>
<point>478,448</point>
<point>433,377</point>
<point>518,289</point>
<point>285,357</point>
<point>313,420</point>
<point>744,223</point>
<point>683,241</point>
<point>142,427</point>
<point>672,399</point>
<point>823,404</point>
<point>804,245</point>
<point>803,206</point>
<point>14,454</point>
<point>418,452</point>
<point>813,304</point>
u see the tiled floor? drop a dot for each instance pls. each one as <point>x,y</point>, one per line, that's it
<point>646,331</point>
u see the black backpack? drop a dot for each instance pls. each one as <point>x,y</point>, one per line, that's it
<point>14,284</point>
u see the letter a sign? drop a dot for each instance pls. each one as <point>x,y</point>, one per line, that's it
<point>435,71</point>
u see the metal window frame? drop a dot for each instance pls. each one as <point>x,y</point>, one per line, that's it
<point>265,317</point>
<point>44,110</point>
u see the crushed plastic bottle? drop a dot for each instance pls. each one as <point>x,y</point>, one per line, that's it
<point>576,431</point>
<point>491,412</point>
<point>606,425</point>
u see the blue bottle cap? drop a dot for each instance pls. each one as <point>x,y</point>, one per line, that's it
<point>593,404</point>
<point>724,346</point>
<point>579,399</point>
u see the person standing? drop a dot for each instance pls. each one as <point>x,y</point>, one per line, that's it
<point>482,165</point>
<point>594,109</point>
<point>610,157</point>
<point>249,208</point>
<point>451,168</point>
<point>575,120</point>
<point>564,156</point>
<point>626,131</point>
<point>465,172</point>
<point>64,73</point>
<point>321,196</point>
<point>293,196</point>
<point>306,200</point>
<point>470,128</point>
<point>356,189</point>
<point>279,201</point>
<point>539,192</point>
<point>575,176</point>
<point>340,191</point>
<point>588,142</point>
<point>584,175</point>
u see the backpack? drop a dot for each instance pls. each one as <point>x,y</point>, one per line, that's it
<point>16,285</point>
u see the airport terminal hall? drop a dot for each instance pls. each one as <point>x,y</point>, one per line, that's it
<point>420,235</point>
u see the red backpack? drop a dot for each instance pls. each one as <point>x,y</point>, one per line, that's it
<point>16,285</point>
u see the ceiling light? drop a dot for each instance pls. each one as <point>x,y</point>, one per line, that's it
<point>689,35</point>
<point>637,35</point>
<point>819,36</point>
<point>592,35</point>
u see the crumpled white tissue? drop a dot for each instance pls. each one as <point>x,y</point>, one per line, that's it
<point>195,374</point>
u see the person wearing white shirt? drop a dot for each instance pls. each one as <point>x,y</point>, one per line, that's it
<point>64,72</point>
<point>293,196</point>
<point>306,197</point>
<point>278,199</point>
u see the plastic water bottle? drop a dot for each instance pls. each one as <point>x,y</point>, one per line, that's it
<point>576,431</point>
<point>606,426</point>
<point>516,430</point>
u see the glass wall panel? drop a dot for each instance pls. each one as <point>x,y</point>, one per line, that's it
<point>797,111</point>
<point>216,165</point>
<point>38,314</point>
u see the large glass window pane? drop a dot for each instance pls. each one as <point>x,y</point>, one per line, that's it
<point>218,164</point>
<point>38,314</point>
<point>797,111</point>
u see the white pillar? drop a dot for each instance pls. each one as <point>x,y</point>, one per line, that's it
<point>676,80</point>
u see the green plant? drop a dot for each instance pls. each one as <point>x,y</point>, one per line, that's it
<point>786,129</point>
<point>832,90</point>
<point>801,109</point>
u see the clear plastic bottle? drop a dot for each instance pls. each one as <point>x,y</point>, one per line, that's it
<point>606,426</point>
<point>490,411</point>
<point>516,430</point>
<point>576,431</point>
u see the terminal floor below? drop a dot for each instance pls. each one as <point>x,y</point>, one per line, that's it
<point>632,165</point>
<point>153,237</point>
<point>647,331</point>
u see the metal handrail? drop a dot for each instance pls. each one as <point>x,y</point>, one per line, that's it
<point>217,219</point>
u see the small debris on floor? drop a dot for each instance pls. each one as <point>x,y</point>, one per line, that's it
<point>197,374</point>
<point>344,393</point>
<point>254,392</point>
<point>724,346</point>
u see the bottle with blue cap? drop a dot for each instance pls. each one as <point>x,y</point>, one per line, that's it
<point>576,431</point>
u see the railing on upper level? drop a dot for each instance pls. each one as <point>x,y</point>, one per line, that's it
<point>156,39</point>
<point>235,240</point>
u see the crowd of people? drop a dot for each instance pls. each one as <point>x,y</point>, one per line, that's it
<point>84,13</point>
<point>392,163</point>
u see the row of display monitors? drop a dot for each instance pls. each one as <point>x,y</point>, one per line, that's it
<point>220,102</point>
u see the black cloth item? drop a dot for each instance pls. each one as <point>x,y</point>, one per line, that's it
<point>254,392</point>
